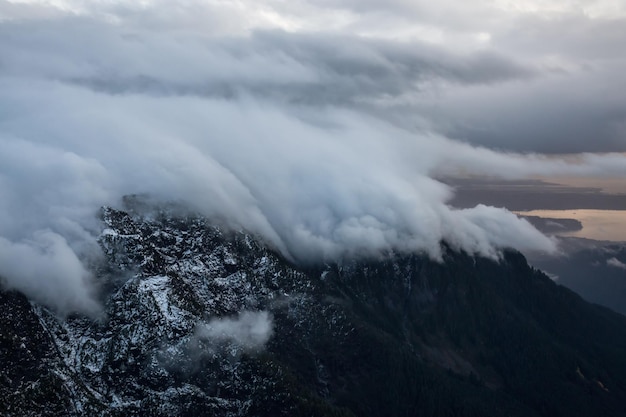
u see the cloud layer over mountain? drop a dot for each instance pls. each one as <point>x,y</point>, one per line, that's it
<point>326,144</point>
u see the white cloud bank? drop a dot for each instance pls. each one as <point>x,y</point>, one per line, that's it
<point>46,268</point>
<point>237,129</point>
<point>250,331</point>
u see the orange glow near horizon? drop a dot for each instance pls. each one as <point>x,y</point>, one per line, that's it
<point>597,224</point>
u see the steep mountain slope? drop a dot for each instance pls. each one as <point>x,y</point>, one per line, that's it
<point>594,269</point>
<point>202,321</point>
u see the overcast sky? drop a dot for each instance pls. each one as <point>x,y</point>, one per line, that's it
<point>320,125</point>
<point>541,76</point>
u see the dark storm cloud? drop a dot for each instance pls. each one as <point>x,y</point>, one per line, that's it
<point>313,69</point>
<point>559,114</point>
<point>520,76</point>
<point>573,104</point>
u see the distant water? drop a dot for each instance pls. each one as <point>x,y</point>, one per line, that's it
<point>597,224</point>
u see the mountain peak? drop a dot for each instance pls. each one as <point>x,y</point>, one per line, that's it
<point>200,319</point>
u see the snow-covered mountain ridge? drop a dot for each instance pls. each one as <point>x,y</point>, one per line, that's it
<point>200,320</point>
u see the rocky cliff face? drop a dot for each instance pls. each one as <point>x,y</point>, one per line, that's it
<point>202,321</point>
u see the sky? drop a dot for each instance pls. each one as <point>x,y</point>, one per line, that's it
<point>322,126</point>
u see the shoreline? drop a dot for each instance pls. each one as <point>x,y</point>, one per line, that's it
<point>609,225</point>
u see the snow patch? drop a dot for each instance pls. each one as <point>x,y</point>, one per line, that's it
<point>159,289</point>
